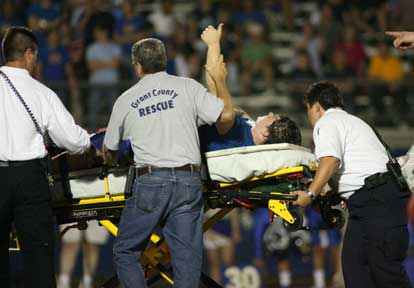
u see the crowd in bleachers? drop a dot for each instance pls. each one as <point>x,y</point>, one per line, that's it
<point>85,47</point>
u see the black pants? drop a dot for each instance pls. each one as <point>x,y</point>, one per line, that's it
<point>376,238</point>
<point>25,200</point>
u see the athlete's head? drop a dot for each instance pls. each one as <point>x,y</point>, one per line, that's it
<point>284,130</point>
<point>276,128</point>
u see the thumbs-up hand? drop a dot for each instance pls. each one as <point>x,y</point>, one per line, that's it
<point>212,35</point>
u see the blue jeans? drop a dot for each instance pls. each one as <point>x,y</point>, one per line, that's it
<point>172,200</point>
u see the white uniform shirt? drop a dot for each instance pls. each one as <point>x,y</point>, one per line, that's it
<point>354,143</point>
<point>19,139</point>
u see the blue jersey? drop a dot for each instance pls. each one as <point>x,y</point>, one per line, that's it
<point>97,141</point>
<point>261,221</point>
<point>239,135</point>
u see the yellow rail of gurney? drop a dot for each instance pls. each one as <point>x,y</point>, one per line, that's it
<point>101,200</point>
<point>274,174</point>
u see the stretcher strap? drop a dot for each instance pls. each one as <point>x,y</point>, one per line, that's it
<point>244,204</point>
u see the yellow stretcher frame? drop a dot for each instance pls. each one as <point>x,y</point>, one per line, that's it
<point>157,254</point>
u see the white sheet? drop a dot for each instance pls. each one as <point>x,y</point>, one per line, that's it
<point>229,165</point>
<point>94,187</point>
<point>238,164</point>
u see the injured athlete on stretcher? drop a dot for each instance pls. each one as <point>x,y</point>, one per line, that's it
<point>269,129</point>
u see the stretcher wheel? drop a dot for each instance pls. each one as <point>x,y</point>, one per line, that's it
<point>335,218</point>
<point>297,225</point>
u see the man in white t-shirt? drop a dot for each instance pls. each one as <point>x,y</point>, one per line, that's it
<point>352,156</point>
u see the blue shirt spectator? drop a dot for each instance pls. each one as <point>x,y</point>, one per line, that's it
<point>53,59</point>
<point>45,10</point>
<point>108,54</point>
<point>249,14</point>
<point>127,26</point>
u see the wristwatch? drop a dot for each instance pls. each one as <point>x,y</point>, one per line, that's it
<point>310,194</point>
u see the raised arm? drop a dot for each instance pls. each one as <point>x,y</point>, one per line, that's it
<point>211,37</point>
<point>218,73</point>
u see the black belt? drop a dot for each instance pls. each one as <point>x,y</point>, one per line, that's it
<point>149,169</point>
<point>19,163</point>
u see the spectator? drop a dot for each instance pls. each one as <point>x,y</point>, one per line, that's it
<point>176,63</point>
<point>329,28</point>
<point>272,240</point>
<point>89,241</point>
<point>354,51</point>
<point>53,59</point>
<point>314,45</point>
<point>249,14</point>
<point>43,16</point>
<point>65,34</point>
<point>256,59</point>
<point>73,12</point>
<point>103,59</point>
<point>8,16</point>
<point>302,75</point>
<point>340,9</point>
<point>231,50</point>
<point>128,27</point>
<point>386,73</point>
<point>185,49</point>
<point>337,68</point>
<point>368,16</point>
<point>342,76</point>
<point>324,242</point>
<point>220,242</point>
<point>77,72</point>
<point>163,19</point>
<point>288,13</point>
<point>96,13</point>
<point>401,14</point>
<point>204,14</point>
<point>384,66</point>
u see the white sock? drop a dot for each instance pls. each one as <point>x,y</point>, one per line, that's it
<point>284,278</point>
<point>319,278</point>
<point>64,281</point>
<point>87,281</point>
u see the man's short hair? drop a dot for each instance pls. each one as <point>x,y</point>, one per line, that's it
<point>16,41</point>
<point>150,54</point>
<point>284,130</point>
<point>326,93</point>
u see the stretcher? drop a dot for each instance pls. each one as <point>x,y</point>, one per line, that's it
<point>98,193</point>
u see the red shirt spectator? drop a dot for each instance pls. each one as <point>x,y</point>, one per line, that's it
<point>353,49</point>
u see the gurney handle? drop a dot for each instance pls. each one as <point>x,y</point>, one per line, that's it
<point>104,176</point>
<point>271,195</point>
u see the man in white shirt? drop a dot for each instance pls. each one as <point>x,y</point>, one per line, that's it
<point>352,156</point>
<point>28,109</point>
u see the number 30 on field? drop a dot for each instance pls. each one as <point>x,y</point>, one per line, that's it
<point>246,277</point>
